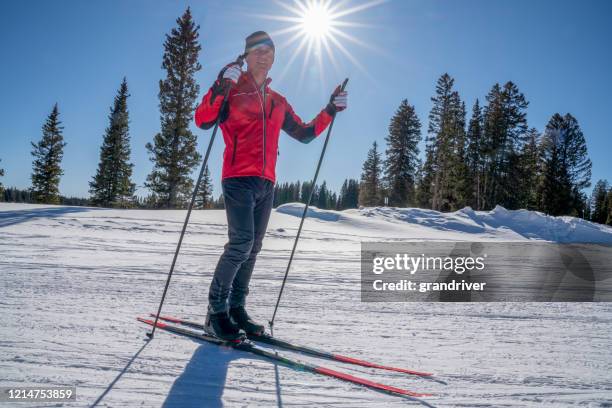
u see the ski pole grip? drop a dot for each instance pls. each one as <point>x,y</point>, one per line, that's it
<point>240,62</point>
<point>240,59</point>
<point>344,84</point>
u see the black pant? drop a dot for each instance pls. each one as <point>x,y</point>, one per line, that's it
<point>248,204</point>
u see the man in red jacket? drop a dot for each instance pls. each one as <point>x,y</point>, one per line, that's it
<point>251,122</point>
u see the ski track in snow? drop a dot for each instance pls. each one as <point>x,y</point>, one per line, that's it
<point>74,279</point>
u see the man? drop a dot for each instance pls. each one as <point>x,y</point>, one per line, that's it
<point>251,122</point>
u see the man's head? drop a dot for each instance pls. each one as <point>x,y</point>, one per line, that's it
<point>259,50</point>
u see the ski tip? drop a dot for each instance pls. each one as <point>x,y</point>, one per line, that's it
<point>371,384</point>
<point>151,322</point>
<point>355,361</point>
<point>167,318</point>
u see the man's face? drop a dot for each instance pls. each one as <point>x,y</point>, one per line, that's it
<point>260,59</point>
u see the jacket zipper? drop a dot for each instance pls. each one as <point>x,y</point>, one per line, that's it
<point>263,115</point>
<point>263,169</point>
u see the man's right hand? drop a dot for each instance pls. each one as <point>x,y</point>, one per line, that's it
<point>232,72</point>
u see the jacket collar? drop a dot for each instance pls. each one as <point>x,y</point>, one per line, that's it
<point>247,78</point>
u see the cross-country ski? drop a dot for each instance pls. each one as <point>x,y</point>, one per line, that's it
<point>273,341</point>
<point>250,347</point>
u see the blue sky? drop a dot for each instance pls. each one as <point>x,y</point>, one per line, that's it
<point>76,53</point>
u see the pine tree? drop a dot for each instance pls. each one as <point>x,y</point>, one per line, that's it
<point>515,106</point>
<point>425,178</point>
<point>529,172</point>
<point>295,192</point>
<point>305,194</point>
<point>276,200</point>
<point>353,193</point>
<point>554,193</point>
<point>609,219</point>
<point>599,202</point>
<point>349,195</point>
<point>460,172</point>
<point>574,149</point>
<point>333,201</point>
<point>48,154</point>
<point>370,191</point>
<point>323,196</point>
<point>284,193</point>
<point>204,198</point>
<point>174,150</point>
<point>315,195</point>
<point>567,167</point>
<point>492,137</point>
<point>473,158</point>
<point>112,185</point>
<point>220,202</point>
<point>443,168</point>
<point>342,195</point>
<point>402,153</point>
<point>504,133</point>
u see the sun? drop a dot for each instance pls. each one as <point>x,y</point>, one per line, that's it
<point>317,31</point>
<point>316,21</point>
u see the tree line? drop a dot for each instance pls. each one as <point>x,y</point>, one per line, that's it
<point>495,158</point>
<point>322,196</point>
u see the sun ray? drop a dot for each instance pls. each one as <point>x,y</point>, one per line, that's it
<point>284,31</point>
<point>337,5</point>
<point>295,54</point>
<point>348,55</point>
<point>298,35</point>
<point>337,23</point>
<point>305,64</point>
<point>355,40</point>
<point>319,55</point>
<point>302,5</point>
<point>355,9</point>
<point>296,11</point>
<point>323,32</point>
<point>331,56</point>
<point>289,19</point>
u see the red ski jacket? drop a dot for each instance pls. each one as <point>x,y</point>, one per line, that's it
<point>251,123</point>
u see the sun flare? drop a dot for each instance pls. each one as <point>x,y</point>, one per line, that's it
<point>316,21</point>
<point>317,30</point>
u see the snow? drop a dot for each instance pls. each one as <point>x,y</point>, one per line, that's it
<point>74,279</point>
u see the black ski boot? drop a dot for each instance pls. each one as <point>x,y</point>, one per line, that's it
<point>220,325</point>
<point>240,316</point>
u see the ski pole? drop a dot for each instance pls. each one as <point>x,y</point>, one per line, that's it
<point>297,237</point>
<point>150,334</point>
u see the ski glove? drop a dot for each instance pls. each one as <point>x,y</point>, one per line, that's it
<point>227,76</point>
<point>232,72</point>
<point>338,99</point>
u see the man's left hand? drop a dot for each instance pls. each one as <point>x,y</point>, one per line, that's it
<point>339,99</point>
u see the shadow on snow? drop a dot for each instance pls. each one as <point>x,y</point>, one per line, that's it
<point>18,216</point>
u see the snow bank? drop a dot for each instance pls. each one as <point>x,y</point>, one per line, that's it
<point>519,224</point>
<point>297,209</point>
